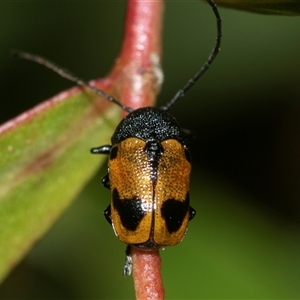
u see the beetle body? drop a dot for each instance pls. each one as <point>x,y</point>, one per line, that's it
<point>148,175</point>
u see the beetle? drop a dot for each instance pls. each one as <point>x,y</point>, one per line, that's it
<point>148,175</point>
<point>148,169</point>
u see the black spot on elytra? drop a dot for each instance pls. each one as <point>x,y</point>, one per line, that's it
<point>174,212</point>
<point>114,152</point>
<point>129,210</point>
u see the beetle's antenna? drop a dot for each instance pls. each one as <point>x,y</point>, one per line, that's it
<point>68,75</point>
<point>206,66</point>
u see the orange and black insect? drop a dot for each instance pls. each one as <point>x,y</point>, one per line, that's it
<point>148,169</point>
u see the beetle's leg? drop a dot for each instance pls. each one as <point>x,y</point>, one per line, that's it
<point>128,262</point>
<point>105,149</point>
<point>192,213</point>
<point>105,181</point>
<point>107,214</point>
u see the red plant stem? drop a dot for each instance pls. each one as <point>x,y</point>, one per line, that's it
<point>136,80</point>
<point>147,274</point>
<point>137,75</point>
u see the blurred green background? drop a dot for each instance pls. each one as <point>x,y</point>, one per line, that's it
<point>245,113</point>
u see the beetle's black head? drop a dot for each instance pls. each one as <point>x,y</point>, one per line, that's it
<point>149,124</point>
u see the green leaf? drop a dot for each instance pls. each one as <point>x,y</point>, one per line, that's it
<point>275,7</point>
<point>44,163</point>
